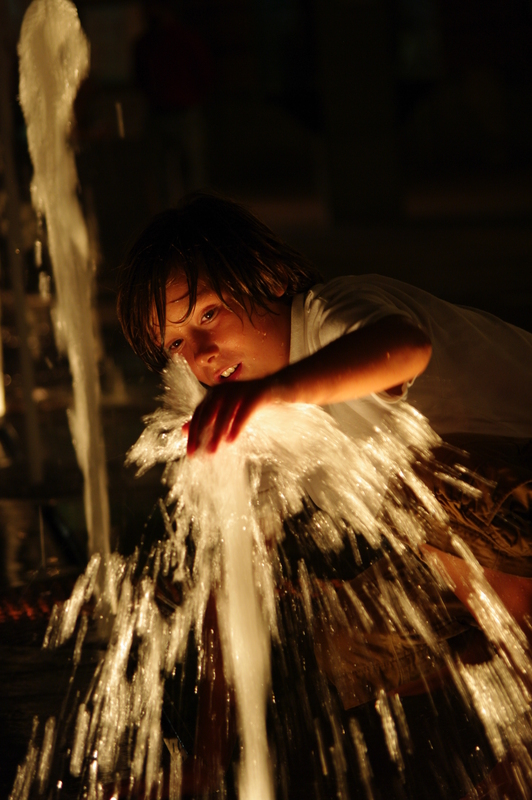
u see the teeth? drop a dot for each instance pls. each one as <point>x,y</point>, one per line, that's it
<point>228,372</point>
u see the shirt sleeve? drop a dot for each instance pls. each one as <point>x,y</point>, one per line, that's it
<point>347,304</point>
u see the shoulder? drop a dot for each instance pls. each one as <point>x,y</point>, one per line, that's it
<point>337,288</point>
<point>360,289</point>
<point>342,305</point>
<point>357,300</point>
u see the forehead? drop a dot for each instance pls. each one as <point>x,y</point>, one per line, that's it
<point>175,300</point>
<point>177,287</point>
<point>178,297</point>
<point>177,294</point>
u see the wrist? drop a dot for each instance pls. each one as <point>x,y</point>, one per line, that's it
<point>279,387</point>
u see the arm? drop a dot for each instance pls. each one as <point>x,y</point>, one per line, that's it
<point>374,358</point>
<point>514,591</point>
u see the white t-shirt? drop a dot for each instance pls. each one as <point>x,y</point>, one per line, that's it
<point>479,379</point>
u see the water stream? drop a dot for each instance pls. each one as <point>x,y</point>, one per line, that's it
<point>256,532</point>
<point>225,537</point>
<point>54,59</point>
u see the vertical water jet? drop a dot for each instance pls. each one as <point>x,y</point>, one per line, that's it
<point>54,60</point>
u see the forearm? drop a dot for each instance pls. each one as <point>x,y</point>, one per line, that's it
<point>372,359</point>
<point>514,591</point>
<point>376,358</point>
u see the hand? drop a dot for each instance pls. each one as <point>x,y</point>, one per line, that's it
<point>224,412</point>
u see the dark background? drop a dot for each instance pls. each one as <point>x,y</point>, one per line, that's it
<point>389,136</point>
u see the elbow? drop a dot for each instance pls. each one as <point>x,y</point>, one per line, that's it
<point>411,360</point>
<point>413,347</point>
<point>424,354</point>
<point>415,356</point>
<point>419,349</point>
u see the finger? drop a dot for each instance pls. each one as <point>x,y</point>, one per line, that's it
<point>204,417</point>
<point>222,424</point>
<point>240,418</point>
<point>195,428</point>
<point>192,426</point>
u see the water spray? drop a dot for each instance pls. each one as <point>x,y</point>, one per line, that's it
<point>54,60</point>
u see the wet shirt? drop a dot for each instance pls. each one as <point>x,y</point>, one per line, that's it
<point>479,379</point>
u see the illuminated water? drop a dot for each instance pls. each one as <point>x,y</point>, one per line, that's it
<point>54,59</point>
<point>229,520</point>
<point>224,537</point>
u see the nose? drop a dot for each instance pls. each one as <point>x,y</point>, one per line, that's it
<point>205,350</point>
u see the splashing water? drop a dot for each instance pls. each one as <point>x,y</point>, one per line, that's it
<point>54,59</point>
<point>229,519</point>
<point>230,511</point>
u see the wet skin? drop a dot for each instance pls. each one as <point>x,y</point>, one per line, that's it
<point>224,346</point>
<point>244,358</point>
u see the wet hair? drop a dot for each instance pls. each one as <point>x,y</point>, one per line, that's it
<point>207,237</point>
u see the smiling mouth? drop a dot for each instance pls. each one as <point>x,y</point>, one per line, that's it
<point>229,372</point>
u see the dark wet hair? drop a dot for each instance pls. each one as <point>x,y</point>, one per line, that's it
<point>217,239</point>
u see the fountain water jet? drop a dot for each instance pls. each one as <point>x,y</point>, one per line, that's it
<point>228,510</point>
<point>54,59</point>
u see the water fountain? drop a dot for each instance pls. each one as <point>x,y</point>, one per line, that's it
<point>238,529</point>
<point>226,539</point>
<point>54,59</point>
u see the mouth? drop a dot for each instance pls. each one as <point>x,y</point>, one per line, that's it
<point>231,373</point>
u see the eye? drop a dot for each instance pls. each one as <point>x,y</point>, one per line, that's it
<point>209,315</point>
<point>175,346</point>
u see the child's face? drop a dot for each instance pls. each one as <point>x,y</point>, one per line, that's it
<point>219,341</point>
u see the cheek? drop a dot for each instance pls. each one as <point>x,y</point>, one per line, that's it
<point>187,355</point>
<point>231,332</point>
<point>196,371</point>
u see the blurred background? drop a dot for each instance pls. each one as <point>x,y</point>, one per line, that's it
<point>388,136</point>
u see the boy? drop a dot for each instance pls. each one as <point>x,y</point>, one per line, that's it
<point>210,282</point>
<point>249,315</point>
